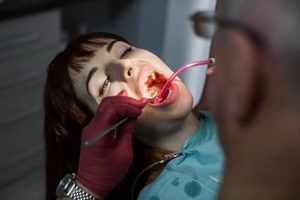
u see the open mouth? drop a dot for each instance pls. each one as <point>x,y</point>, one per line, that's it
<point>153,83</point>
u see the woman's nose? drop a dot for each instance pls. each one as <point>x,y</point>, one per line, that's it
<point>123,70</point>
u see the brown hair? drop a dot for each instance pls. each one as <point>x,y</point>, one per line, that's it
<point>65,115</point>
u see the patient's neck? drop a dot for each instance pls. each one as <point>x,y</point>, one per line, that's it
<point>173,137</point>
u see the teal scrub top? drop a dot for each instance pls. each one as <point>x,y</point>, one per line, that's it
<point>196,173</point>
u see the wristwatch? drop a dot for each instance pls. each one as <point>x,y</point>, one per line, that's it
<point>67,187</point>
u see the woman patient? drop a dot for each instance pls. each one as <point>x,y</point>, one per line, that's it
<point>98,67</point>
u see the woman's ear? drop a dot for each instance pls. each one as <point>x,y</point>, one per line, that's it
<point>203,103</point>
<point>210,70</point>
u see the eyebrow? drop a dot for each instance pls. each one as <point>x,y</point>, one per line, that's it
<point>91,73</point>
<point>110,45</point>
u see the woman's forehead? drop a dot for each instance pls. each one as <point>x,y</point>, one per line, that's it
<point>100,57</point>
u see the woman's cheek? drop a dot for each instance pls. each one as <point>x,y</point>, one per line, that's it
<point>113,90</point>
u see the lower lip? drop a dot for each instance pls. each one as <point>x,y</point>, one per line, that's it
<point>171,99</point>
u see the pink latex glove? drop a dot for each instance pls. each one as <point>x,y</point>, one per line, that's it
<point>103,164</point>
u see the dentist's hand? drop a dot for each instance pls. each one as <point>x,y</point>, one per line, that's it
<point>103,164</point>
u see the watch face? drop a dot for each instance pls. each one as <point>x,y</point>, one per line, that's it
<point>65,186</point>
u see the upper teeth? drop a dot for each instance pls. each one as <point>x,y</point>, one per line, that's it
<point>152,74</point>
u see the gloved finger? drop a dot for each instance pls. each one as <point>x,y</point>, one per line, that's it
<point>124,141</point>
<point>122,111</point>
<point>120,139</point>
<point>112,115</point>
<point>124,137</point>
<point>129,105</point>
<point>143,100</point>
<point>109,140</point>
<point>124,97</point>
<point>114,101</point>
<point>122,93</point>
<point>140,103</point>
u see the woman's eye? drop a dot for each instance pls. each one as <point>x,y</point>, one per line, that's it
<point>104,87</point>
<point>126,52</point>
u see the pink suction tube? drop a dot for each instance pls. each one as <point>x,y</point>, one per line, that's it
<point>166,86</point>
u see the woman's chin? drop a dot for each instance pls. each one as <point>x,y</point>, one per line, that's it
<point>183,102</point>
<point>154,118</point>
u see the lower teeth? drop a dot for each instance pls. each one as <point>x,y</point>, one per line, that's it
<point>151,93</point>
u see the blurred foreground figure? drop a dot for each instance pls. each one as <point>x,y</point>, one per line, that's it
<point>254,95</point>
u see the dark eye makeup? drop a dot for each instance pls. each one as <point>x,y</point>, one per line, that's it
<point>104,86</point>
<point>126,52</point>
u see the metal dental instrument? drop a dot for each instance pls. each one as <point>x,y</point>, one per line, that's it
<point>102,133</point>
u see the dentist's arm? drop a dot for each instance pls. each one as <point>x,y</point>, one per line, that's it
<point>104,164</point>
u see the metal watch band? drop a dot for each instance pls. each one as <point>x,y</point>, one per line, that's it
<point>79,194</point>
